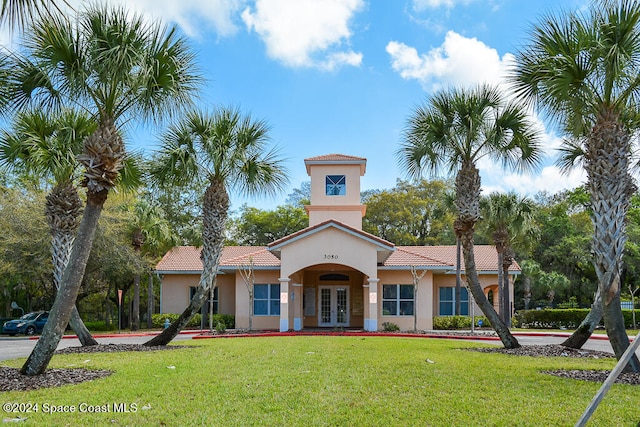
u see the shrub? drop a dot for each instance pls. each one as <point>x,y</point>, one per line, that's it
<point>551,318</point>
<point>457,322</point>
<point>159,319</point>
<point>99,326</point>
<point>220,328</point>
<point>228,320</point>
<point>390,327</point>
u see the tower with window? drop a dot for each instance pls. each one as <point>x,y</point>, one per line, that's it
<point>335,189</point>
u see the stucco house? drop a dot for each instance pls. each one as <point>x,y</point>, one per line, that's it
<point>332,273</point>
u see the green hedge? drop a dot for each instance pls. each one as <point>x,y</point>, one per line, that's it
<point>457,322</point>
<point>563,318</point>
<point>228,320</point>
<point>100,326</point>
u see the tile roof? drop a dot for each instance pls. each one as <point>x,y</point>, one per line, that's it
<point>335,158</point>
<point>187,258</point>
<point>341,159</point>
<point>330,223</point>
<point>486,257</point>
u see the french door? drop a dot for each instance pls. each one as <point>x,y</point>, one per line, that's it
<point>333,306</point>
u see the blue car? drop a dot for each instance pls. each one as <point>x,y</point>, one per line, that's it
<point>29,324</point>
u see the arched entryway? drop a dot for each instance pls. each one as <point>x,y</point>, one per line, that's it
<point>493,296</point>
<point>332,297</point>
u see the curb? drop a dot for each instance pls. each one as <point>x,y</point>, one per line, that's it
<point>204,334</point>
<point>124,335</point>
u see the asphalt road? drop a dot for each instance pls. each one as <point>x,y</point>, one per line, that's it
<point>15,347</point>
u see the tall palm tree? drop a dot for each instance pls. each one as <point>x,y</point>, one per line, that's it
<point>228,151</point>
<point>118,67</point>
<point>148,227</point>
<point>582,69</point>
<point>47,147</point>
<point>452,132</point>
<point>506,217</point>
<point>19,13</point>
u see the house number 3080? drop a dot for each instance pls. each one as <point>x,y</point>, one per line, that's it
<point>330,256</point>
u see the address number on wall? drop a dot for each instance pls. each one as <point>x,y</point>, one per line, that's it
<point>330,256</point>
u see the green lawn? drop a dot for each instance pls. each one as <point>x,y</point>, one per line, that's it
<point>331,381</point>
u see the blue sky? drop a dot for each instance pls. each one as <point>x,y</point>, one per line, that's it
<point>343,76</point>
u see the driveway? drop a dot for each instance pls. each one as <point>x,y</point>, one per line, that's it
<point>15,347</point>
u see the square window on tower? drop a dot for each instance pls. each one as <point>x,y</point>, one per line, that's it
<point>336,185</point>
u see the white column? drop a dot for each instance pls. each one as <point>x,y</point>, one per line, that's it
<point>296,301</point>
<point>284,303</point>
<point>371,321</point>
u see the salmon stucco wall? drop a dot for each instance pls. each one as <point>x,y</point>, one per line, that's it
<point>423,319</point>
<point>486,281</point>
<point>242,307</point>
<point>175,292</point>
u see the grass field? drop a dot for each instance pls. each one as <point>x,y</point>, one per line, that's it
<point>327,381</point>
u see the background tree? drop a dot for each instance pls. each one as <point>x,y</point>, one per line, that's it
<point>25,264</point>
<point>453,131</point>
<point>410,214</point>
<point>148,226</point>
<point>582,69</point>
<point>300,196</point>
<point>228,150</point>
<point>182,208</point>
<point>256,227</point>
<point>508,218</point>
<point>117,67</point>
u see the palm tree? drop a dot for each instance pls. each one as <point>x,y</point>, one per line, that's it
<point>452,132</point>
<point>148,227</point>
<point>507,217</point>
<point>47,147</point>
<point>117,67</point>
<point>227,150</point>
<point>583,69</point>
<point>18,13</point>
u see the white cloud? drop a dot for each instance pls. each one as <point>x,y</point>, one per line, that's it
<point>550,179</point>
<point>193,16</point>
<point>434,4</point>
<point>305,33</point>
<point>459,61</point>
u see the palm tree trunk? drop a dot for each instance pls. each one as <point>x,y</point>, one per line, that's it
<point>501,308</point>
<point>215,212</point>
<point>580,336</point>
<point>611,187</point>
<point>62,210</point>
<point>60,250</point>
<point>507,261</point>
<point>138,241</point>
<point>468,205</point>
<point>150,301</point>
<point>66,297</point>
<point>458,274</point>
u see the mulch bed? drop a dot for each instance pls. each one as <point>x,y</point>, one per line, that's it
<point>12,380</point>
<point>555,350</point>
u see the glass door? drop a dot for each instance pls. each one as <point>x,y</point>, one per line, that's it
<point>333,306</point>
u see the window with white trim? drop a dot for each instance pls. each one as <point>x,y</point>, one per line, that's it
<point>397,300</point>
<point>447,301</point>
<point>266,300</point>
